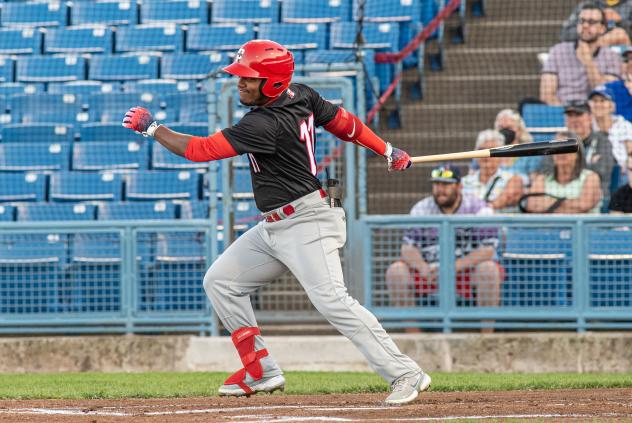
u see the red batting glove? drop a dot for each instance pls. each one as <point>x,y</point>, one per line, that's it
<point>397,159</point>
<point>140,120</point>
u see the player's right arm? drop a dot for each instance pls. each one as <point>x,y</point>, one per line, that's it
<point>197,149</point>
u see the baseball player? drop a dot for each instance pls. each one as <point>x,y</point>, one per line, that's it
<point>299,232</point>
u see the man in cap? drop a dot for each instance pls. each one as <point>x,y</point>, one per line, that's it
<point>413,279</point>
<point>621,89</point>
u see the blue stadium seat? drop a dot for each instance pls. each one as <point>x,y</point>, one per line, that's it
<point>192,66</point>
<point>44,133</point>
<point>190,107</point>
<point>296,36</point>
<point>310,11</point>
<point>107,132</point>
<point>137,211</point>
<point>6,70</point>
<point>266,11</point>
<point>83,88</point>
<point>31,14</point>
<point>388,10</point>
<point>163,159</point>
<point>7,213</point>
<point>218,37</point>
<point>38,157</point>
<point>242,183</point>
<point>181,185</point>
<point>22,187</point>
<point>32,270</point>
<point>11,88</point>
<point>113,12</point>
<point>610,267</point>
<point>78,40</point>
<point>20,41</point>
<point>149,37</point>
<point>538,267</point>
<point>194,209</point>
<point>111,107</point>
<point>94,283</point>
<point>47,108</point>
<point>109,155</point>
<point>378,36</point>
<point>543,116</point>
<point>158,87</point>
<point>80,186</point>
<point>174,11</point>
<point>123,68</point>
<point>50,69</point>
<point>53,212</point>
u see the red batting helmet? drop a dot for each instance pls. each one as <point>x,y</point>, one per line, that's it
<point>264,59</point>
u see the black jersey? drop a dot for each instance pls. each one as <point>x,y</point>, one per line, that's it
<point>280,142</point>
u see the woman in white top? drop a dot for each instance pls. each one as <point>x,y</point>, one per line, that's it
<point>570,188</point>
<point>500,188</point>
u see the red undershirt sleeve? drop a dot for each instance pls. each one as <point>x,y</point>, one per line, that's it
<point>213,147</point>
<point>348,127</point>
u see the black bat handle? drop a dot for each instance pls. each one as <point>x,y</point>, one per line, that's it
<point>536,149</point>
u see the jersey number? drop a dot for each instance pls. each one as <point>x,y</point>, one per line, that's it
<point>307,136</point>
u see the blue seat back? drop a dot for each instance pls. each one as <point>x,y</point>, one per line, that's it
<point>110,155</point>
<point>151,210</point>
<point>11,88</point>
<point>32,14</point>
<point>309,11</point>
<point>48,108</point>
<point>158,87</point>
<point>123,68</point>
<point>190,107</point>
<point>78,40</point>
<point>83,88</point>
<point>388,10</point>
<point>181,185</point>
<point>20,41</point>
<point>18,187</point>
<point>111,107</point>
<point>7,213</point>
<point>50,69</point>
<point>163,159</point>
<point>245,11</point>
<point>296,36</point>
<point>150,37</point>
<point>543,116</point>
<point>218,37</point>
<point>174,11</point>
<point>40,157</point>
<point>192,66</point>
<point>104,12</point>
<point>107,132</point>
<point>44,133</point>
<point>378,36</point>
<point>78,186</point>
<point>55,212</point>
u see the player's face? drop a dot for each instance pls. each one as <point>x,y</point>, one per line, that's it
<point>249,91</point>
<point>446,194</point>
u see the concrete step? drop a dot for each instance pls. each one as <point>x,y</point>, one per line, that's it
<point>524,33</point>
<point>467,61</point>
<point>451,118</point>
<point>497,88</point>
<point>528,10</point>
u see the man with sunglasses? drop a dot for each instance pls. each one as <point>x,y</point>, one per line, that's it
<point>574,69</point>
<point>412,281</point>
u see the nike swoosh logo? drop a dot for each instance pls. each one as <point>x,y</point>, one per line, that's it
<point>352,131</point>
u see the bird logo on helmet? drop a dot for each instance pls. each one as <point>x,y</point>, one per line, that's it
<point>267,60</point>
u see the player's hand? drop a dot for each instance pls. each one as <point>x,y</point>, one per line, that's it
<point>398,159</point>
<point>140,120</point>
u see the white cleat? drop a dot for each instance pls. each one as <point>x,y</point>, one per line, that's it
<point>269,385</point>
<point>406,389</point>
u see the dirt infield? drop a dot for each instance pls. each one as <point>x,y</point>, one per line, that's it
<point>553,405</point>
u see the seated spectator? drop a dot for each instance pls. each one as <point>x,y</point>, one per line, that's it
<point>509,123</point>
<point>569,188</point>
<point>621,200</point>
<point>618,129</point>
<point>573,69</point>
<point>498,188</point>
<point>598,152</point>
<point>412,280</point>
<point>622,88</point>
<point>618,14</point>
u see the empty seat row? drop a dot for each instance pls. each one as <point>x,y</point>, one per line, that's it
<point>125,12</point>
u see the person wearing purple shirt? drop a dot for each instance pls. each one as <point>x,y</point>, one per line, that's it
<point>412,280</point>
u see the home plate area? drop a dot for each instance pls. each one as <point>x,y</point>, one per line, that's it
<point>553,405</point>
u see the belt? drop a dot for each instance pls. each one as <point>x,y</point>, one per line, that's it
<point>291,208</point>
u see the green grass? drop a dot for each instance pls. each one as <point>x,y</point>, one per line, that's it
<point>164,385</point>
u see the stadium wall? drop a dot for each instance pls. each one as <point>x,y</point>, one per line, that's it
<point>524,353</point>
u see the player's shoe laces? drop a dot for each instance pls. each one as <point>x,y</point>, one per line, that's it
<point>272,380</point>
<point>406,388</point>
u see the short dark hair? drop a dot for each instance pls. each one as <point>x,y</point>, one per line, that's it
<point>595,6</point>
<point>580,164</point>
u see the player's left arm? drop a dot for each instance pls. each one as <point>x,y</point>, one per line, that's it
<point>197,149</point>
<point>348,127</point>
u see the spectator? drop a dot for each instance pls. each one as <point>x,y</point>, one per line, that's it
<point>618,129</point>
<point>618,14</point>
<point>509,123</point>
<point>499,188</point>
<point>622,88</point>
<point>598,152</point>
<point>412,280</point>
<point>569,188</point>
<point>621,201</point>
<point>573,69</point>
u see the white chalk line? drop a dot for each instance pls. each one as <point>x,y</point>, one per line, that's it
<point>268,418</point>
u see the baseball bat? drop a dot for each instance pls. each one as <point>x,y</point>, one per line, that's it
<point>543,148</point>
